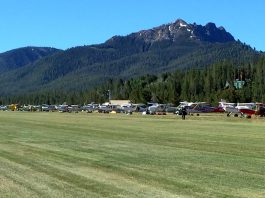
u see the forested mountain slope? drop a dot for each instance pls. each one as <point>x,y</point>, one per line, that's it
<point>20,57</point>
<point>177,45</point>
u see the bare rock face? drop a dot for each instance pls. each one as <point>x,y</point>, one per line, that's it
<point>211,33</point>
<point>181,30</point>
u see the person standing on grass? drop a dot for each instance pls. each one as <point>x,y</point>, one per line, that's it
<point>184,113</point>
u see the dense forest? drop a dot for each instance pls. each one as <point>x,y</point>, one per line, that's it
<point>209,84</point>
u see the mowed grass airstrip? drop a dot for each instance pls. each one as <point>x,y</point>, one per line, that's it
<point>101,155</point>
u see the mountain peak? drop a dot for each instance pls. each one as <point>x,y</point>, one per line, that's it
<point>181,22</point>
<point>180,30</point>
<point>210,25</point>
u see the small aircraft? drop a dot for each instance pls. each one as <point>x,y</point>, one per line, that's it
<point>73,108</point>
<point>247,109</point>
<point>243,109</point>
<point>62,108</point>
<point>198,107</point>
<point>47,108</point>
<point>229,108</point>
<point>133,107</point>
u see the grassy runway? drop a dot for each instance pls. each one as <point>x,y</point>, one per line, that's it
<point>97,155</point>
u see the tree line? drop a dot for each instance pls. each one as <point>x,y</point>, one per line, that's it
<point>210,84</point>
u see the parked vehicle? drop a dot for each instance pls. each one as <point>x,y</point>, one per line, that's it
<point>3,108</point>
<point>90,108</point>
<point>107,108</point>
<point>155,108</point>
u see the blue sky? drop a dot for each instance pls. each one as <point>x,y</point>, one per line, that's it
<point>68,23</point>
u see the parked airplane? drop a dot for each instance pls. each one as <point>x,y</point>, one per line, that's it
<point>198,107</point>
<point>47,108</point>
<point>229,108</point>
<point>62,108</point>
<point>247,109</point>
<point>73,108</point>
<point>243,109</point>
<point>133,107</point>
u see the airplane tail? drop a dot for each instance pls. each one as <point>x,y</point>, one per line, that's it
<point>222,102</point>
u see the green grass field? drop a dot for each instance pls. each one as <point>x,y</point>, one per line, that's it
<point>99,155</point>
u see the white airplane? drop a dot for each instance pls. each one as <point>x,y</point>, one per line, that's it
<point>229,108</point>
<point>247,109</point>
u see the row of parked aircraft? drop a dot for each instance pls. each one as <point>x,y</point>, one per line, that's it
<point>191,108</point>
<point>236,109</point>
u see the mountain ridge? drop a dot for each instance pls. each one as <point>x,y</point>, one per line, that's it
<point>20,57</point>
<point>151,51</point>
<point>173,31</point>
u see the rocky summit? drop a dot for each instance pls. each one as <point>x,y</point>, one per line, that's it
<point>180,30</point>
